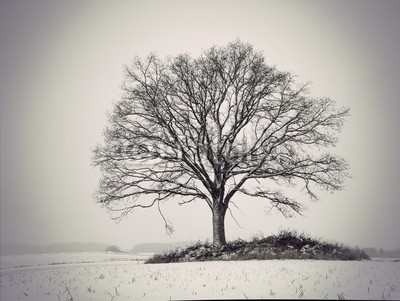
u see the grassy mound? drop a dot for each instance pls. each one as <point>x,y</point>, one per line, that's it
<point>285,245</point>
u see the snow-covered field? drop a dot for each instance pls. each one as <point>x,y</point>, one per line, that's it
<point>42,260</point>
<point>107,276</point>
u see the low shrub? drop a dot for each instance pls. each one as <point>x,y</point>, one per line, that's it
<point>113,249</point>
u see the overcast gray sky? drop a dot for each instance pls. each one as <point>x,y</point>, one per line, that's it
<point>61,69</point>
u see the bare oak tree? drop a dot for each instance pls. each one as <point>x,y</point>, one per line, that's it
<point>213,127</point>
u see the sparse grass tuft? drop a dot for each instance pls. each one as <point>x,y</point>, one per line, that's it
<point>285,245</point>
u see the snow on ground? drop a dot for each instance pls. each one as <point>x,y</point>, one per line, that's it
<point>116,277</point>
<point>28,260</point>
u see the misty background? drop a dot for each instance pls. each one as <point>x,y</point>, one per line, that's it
<point>61,70</point>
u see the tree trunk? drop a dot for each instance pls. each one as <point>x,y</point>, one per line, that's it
<point>219,224</point>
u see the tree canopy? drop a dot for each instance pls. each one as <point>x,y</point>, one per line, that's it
<point>212,127</point>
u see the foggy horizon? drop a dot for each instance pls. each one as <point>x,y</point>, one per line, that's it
<point>61,70</point>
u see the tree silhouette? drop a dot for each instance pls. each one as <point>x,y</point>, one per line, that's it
<point>213,127</point>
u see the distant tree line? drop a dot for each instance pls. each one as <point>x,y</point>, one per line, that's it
<point>374,252</point>
<point>158,247</point>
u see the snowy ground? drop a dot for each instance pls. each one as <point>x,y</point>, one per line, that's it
<point>42,260</point>
<point>107,276</point>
